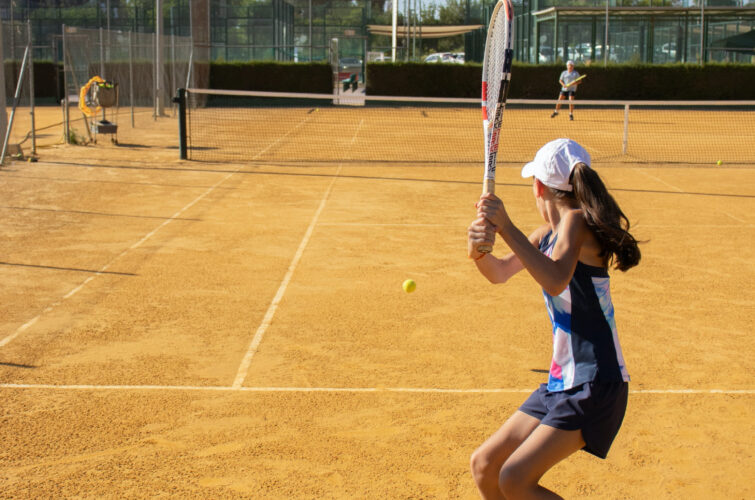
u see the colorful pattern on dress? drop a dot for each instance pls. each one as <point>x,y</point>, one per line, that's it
<point>561,373</point>
<point>582,347</point>
<point>603,290</point>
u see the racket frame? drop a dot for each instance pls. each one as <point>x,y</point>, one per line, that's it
<point>577,80</point>
<point>492,135</point>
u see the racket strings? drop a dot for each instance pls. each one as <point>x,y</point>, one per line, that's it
<point>496,60</point>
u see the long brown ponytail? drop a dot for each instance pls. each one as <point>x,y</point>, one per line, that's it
<point>604,218</point>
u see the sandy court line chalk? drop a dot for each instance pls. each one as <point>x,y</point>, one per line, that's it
<point>419,390</point>
<point>175,216</point>
<point>658,179</point>
<point>273,307</point>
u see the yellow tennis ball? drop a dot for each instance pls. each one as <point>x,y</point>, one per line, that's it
<point>409,286</point>
<point>719,162</point>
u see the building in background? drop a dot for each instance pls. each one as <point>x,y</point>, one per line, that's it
<point>648,31</point>
<point>547,31</point>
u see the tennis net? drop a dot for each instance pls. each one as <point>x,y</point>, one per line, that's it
<point>238,126</point>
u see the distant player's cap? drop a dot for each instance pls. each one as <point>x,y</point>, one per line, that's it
<point>554,162</point>
<point>570,62</point>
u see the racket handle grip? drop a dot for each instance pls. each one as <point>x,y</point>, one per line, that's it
<point>485,248</point>
<point>488,186</point>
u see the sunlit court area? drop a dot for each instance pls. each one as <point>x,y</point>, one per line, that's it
<point>238,255</point>
<point>220,329</point>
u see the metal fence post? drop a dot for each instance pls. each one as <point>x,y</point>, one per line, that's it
<point>102,56</point>
<point>131,74</point>
<point>66,118</point>
<point>625,142</point>
<point>31,91</point>
<point>16,98</point>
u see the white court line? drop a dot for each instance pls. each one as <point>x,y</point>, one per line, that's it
<point>634,226</point>
<point>682,191</point>
<point>419,390</point>
<point>687,226</point>
<point>268,319</point>
<point>735,218</point>
<point>658,179</point>
<point>76,289</point>
<point>387,224</point>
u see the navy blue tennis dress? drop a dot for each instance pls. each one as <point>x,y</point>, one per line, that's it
<point>587,385</point>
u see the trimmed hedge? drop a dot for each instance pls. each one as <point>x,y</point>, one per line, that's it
<point>529,81</point>
<point>263,76</point>
<point>45,79</point>
<point>271,76</point>
<point>424,80</point>
<point>670,82</point>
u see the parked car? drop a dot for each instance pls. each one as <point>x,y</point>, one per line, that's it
<point>615,53</point>
<point>583,51</point>
<point>440,57</point>
<point>670,49</point>
<point>377,57</point>
<point>348,66</point>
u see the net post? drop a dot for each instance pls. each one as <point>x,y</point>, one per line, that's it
<point>180,99</point>
<point>625,141</point>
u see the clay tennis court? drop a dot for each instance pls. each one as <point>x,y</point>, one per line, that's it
<point>238,330</point>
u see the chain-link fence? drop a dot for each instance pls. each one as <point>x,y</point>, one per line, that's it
<point>146,68</point>
<point>17,122</point>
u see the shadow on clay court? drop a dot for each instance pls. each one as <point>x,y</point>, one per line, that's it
<point>16,365</point>
<point>102,214</point>
<point>197,148</point>
<point>74,269</point>
<point>382,178</point>
<point>105,181</point>
<point>130,145</point>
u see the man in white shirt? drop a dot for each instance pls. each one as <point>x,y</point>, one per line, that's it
<point>568,88</point>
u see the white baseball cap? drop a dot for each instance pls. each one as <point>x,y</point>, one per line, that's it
<point>570,62</point>
<point>554,162</point>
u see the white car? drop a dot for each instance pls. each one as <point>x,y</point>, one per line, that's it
<point>670,49</point>
<point>440,57</point>
<point>348,66</point>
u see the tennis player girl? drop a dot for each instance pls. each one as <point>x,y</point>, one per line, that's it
<point>583,403</point>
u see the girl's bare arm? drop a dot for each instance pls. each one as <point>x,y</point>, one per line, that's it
<point>552,273</point>
<point>497,270</point>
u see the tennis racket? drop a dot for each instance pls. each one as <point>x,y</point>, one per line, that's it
<point>496,76</point>
<point>576,81</point>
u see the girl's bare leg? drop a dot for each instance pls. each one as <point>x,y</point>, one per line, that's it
<point>487,460</point>
<point>543,448</point>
